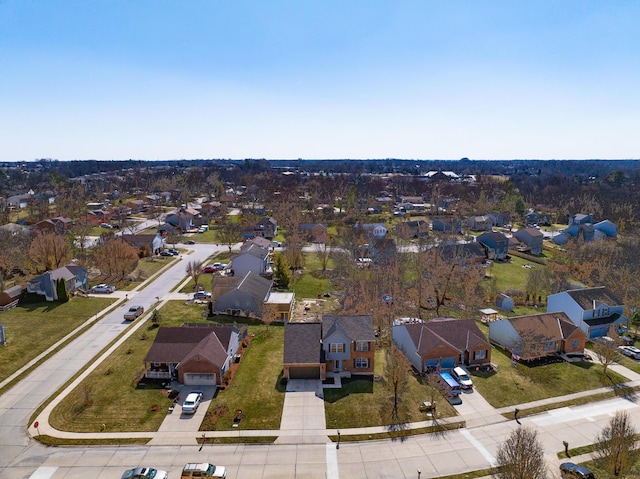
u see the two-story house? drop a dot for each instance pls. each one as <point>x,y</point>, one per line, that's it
<point>593,310</point>
<point>479,223</point>
<point>339,346</point>
<point>313,232</point>
<point>496,244</point>
<point>532,238</point>
<point>447,225</point>
<point>251,258</point>
<point>413,229</point>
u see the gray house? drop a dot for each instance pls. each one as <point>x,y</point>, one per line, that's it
<point>447,225</point>
<point>496,244</point>
<point>593,310</point>
<point>532,238</point>
<point>45,285</point>
<point>251,258</point>
<point>240,295</point>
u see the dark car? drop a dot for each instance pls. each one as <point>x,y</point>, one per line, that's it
<point>569,470</point>
<point>164,252</point>
<point>189,242</point>
<point>202,295</point>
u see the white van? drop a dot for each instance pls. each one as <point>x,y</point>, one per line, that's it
<point>462,377</point>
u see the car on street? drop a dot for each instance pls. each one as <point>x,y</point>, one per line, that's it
<point>630,351</point>
<point>203,470</point>
<point>133,313</point>
<point>144,473</point>
<point>201,295</point>
<point>189,242</point>
<point>103,289</point>
<point>569,470</point>
<point>191,402</point>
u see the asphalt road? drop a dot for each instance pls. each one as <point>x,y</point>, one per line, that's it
<point>433,455</point>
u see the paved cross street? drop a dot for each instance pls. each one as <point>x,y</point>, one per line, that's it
<point>302,448</point>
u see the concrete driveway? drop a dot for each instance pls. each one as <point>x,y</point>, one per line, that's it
<point>303,420</point>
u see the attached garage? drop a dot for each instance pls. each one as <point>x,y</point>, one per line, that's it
<point>199,379</point>
<point>304,372</point>
<point>448,363</point>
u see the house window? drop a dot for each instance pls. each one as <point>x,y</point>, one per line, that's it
<point>480,354</point>
<point>362,346</point>
<point>574,344</point>
<point>336,348</point>
<point>362,363</point>
<point>549,345</point>
<point>284,316</point>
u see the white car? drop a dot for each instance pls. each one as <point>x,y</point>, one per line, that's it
<point>191,403</point>
<point>630,351</point>
<point>144,473</point>
<point>462,377</point>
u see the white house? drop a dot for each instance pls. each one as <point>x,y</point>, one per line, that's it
<point>593,310</point>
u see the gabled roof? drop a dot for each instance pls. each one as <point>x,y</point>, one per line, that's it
<point>258,241</point>
<point>209,348</point>
<point>356,328</point>
<point>533,232</point>
<point>302,343</point>
<point>461,251</point>
<point>461,334</point>
<point>254,250</point>
<point>494,235</point>
<point>543,327</point>
<point>251,283</point>
<point>175,344</point>
<point>591,298</point>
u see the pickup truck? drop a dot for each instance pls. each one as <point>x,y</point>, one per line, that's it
<point>133,313</point>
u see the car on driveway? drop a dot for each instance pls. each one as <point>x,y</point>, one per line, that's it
<point>165,252</point>
<point>106,225</point>
<point>462,377</point>
<point>103,289</point>
<point>202,295</point>
<point>144,473</point>
<point>209,269</point>
<point>191,402</point>
<point>630,351</point>
<point>133,313</point>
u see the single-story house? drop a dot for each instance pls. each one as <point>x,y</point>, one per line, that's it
<point>442,343</point>
<point>372,230</point>
<point>146,244</point>
<point>45,285</point>
<point>537,336</point>
<point>194,355</point>
<point>9,297</point>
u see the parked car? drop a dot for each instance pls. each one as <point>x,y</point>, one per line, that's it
<point>173,251</point>
<point>192,401</point>
<point>133,313</point>
<point>219,266</point>
<point>189,242</point>
<point>203,469</point>
<point>144,473</point>
<point>462,377</point>
<point>201,295</point>
<point>165,252</point>
<point>103,289</point>
<point>630,351</point>
<point>569,470</point>
<point>209,269</point>
<point>105,225</point>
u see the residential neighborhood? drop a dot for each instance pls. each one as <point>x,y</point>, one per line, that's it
<point>338,296</point>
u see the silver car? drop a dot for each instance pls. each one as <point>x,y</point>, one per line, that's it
<point>144,473</point>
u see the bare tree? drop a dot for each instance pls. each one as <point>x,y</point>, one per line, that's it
<point>228,232</point>
<point>521,456</point>
<point>607,353</point>
<point>194,269</point>
<point>322,251</point>
<point>615,447</point>
<point>396,371</point>
<point>116,258</point>
<point>49,251</point>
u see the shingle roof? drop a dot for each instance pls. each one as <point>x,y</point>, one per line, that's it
<point>302,343</point>
<point>357,327</point>
<point>591,298</point>
<point>545,326</point>
<point>461,334</point>
<point>174,344</point>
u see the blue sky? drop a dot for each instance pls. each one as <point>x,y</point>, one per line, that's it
<point>122,79</point>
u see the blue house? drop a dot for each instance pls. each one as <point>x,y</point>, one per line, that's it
<point>496,244</point>
<point>593,310</point>
<point>45,285</point>
<point>606,229</point>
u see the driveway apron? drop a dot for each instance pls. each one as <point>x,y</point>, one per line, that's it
<point>303,420</point>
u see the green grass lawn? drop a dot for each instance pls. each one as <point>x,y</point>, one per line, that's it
<point>32,328</point>
<point>511,275</point>
<point>146,268</point>
<point>364,402</point>
<point>256,388</point>
<point>312,282</point>
<point>521,384</point>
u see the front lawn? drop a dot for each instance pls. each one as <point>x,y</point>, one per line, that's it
<point>364,402</point>
<point>32,328</point>
<point>312,283</point>
<point>522,384</point>
<point>256,388</point>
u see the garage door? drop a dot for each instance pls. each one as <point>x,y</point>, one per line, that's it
<point>448,363</point>
<point>299,372</point>
<point>193,379</point>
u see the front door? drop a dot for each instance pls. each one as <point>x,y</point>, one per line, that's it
<point>338,365</point>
